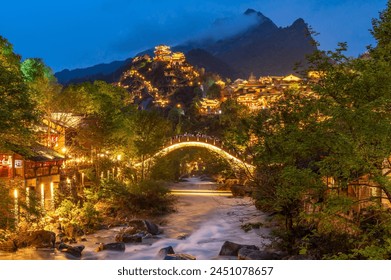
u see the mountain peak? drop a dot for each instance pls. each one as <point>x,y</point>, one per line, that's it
<point>299,23</point>
<point>250,12</point>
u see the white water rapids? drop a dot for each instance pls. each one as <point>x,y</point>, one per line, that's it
<point>204,220</point>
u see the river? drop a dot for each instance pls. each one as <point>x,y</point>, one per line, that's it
<point>204,219</point>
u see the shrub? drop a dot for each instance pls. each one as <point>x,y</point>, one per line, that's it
<point>150,196</point>
<point>86,216</point>
<point>147,197</point>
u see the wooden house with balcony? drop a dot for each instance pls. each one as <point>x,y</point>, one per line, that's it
<point>32,169</point>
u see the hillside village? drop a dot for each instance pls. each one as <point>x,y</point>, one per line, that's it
<point>168,73</point>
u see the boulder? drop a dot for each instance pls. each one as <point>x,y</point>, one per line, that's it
<point>71,251</point>
<point>251,254</point>
<point>163,252</point>
<point>232,249</point>
<point>61,245</point>
<point>129,238</point>
<point>143,226</point>
<point>8,246</point>
<point>179,257</point>
<point>117,246</point>
<point>37,239</point>
<point>137,231</point>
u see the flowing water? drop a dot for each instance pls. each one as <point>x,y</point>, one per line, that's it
<point>203,221</point>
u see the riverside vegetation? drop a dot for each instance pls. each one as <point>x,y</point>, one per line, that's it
<point>343,132</point>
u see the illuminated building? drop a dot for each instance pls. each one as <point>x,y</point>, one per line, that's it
<point>37,169</point>
<point>209,106</point>
<point>162,53</point>
<point>178,58</point>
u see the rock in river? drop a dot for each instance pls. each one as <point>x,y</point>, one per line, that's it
<point>117,246</point>
<point>129,238</point>
<point>144,226</point>
<point>163,252</point>
<point>71,251</point>
<point>179,257</point>
<point>136,231</point>
<point>232,249</point>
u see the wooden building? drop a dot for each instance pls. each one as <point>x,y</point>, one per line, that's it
<point>33,169</point>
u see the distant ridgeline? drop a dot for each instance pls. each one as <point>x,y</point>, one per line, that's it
<point>262,49</point>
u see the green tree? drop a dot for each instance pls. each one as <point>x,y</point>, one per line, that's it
<point>236,123</point>
<point>214,91</point>
<point>143,134</point>
<point>341,131</point>
<point>34,68</point>
<point>290,140</point>
<point>17,109</point>
<point>44,90</point>
<point>7,215</point>
<point>102,106</point>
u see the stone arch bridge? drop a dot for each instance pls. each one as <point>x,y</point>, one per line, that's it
<point>237,162</point>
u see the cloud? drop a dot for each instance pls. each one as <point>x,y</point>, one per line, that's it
<point>175,27</point>
<point>226,27</point>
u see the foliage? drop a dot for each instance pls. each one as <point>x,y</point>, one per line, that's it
<point>214,91</point>
<point>340,131</point>
<point>103,105</point>
<point>236,122</point>
<point>142,134</point>
<point>167,168</point>
<point>194,161</point>
<point>150,131</point>
<point>120,200</point>
<point>17,109</point>
<point>175,116</point>
<point>34,69</point>
<point>151,197</point>
<point>7,215</point>
<point>86,216</point>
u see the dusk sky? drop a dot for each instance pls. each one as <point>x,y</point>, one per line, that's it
<point>74,33</point>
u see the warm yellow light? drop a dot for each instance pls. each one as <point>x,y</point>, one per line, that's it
<point>52,189</point>
<point>15,193</point>
<point>64,150</point>
<point>119,157</point>
<point>211,147</point>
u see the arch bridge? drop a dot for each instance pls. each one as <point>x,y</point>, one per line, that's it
<point>236,160</point>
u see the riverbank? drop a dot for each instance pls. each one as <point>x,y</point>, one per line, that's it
<point>204,219</point>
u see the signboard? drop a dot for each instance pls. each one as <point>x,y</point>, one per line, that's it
<point>18,163</point>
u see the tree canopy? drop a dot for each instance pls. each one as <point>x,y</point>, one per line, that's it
<point>17,109</point>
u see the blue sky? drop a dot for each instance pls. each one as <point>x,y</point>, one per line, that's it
<point>79,33</point>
